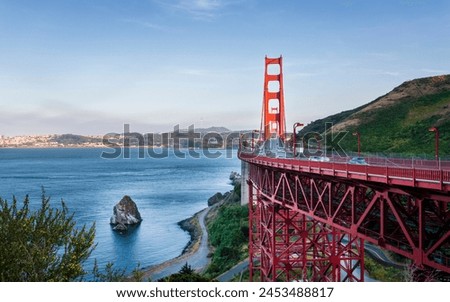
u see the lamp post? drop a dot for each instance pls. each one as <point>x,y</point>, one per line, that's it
<point>436,141</point>
<point>240,143</point>
<point>295,135</point>
<point>358,135</point>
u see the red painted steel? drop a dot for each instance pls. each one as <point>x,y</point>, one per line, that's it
<point>410,221</point>
<point>286,245</point>
<point>273,119</point>
<point>309,220</point>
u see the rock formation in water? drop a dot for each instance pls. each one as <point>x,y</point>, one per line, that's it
<point>235,178</point>
<point>125,213</point>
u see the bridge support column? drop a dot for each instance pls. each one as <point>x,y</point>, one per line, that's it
<point>244,186</point>
<point>286,245</point>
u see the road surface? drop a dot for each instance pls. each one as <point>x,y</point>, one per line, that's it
<point>235,270</point>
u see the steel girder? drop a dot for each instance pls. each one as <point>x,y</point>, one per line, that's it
<point>411,222</point>
<point>286,245</point>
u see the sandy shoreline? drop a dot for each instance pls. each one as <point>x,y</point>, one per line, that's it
<point>192,226</point>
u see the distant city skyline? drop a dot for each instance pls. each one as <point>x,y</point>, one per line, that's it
<point>90,66</point>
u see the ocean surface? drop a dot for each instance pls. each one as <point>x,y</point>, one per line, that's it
<point>166,190</point>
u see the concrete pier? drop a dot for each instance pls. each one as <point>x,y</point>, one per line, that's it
<point>244,185</point>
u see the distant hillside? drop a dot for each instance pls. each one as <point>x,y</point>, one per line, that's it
<point>74,139</point>
<point>117,139</point>
<point>398,122</point>
<point>213,129</point>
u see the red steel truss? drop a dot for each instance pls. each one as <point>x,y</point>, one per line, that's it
<point>307,226</point>
<point>287,245</point>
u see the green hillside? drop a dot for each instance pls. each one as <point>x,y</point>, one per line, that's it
<point>398,122</point>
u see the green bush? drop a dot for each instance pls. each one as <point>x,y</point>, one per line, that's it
<point>186,274</point>
<point>228,233</point>
<point>381,272</point>
<point>42,245</point>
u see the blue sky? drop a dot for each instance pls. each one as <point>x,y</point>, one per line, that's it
<point>89,66</point>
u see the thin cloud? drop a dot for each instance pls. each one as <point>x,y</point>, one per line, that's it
<point>198,9</point>
<point>150,25</point>
<point>195,72</point>
<point>382,56</point>
<point>390,73</point>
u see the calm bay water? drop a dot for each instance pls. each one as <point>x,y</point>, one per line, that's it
<point>166,191</point>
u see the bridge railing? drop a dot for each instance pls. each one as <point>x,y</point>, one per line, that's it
<point>425,162</point>
<point>394,160</point>
<point>405,176</point>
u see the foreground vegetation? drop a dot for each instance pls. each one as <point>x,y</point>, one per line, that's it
<point>42,245</point>
<point>45,245</point>
<point>185,274</point>
<point>228,234</point>
<point>383,273</point>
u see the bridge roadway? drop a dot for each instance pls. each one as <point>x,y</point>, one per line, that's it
<point>419,177</point>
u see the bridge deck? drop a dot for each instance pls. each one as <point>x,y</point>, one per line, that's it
<point>426,178</point>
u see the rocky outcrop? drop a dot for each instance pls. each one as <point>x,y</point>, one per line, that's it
<point>125,213</point>
<point>215,199</point>
<point>235,178</point>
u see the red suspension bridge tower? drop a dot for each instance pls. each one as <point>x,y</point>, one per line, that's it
<point>310,220</point>
<point>273,122</point>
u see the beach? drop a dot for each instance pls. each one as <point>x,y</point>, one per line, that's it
<point>196,253</point>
